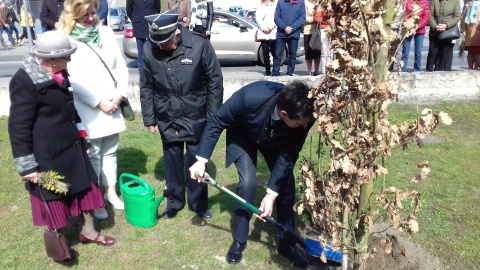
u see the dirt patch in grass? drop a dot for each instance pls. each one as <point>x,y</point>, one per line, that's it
<point>404,255</point>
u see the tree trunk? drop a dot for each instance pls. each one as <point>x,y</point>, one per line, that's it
<point>366,190</point>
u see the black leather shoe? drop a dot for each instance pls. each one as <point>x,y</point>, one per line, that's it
<point>267,73</point>
<point>234,254</point>
<point>169,213</point>
<point>206,214</point>
<point>294,256</point>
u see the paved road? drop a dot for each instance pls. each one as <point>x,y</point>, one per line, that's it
<point>11,60</point>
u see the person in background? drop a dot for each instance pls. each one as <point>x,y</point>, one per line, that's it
<point>12,18</point>
<point>50,14</point>
<point>23,23</point>
<point>97,96</point>
<point>267,31</point>
<point>4,26</point>
<point>273,119</point>
<point>203,18</point>
<point>183,8</point>
<point>444,14</point>
<point>181,87</point>
<point>136,11</point>
<point>326,56</point>
<point>470,27</point>
<point>311,55</point>
<point>102,12</point>
<point>46,134</point>
<point>289,18</point>
<point>420,8</point>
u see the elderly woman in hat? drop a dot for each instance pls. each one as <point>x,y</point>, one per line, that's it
<point>46,135</point>
<point>99,79</point>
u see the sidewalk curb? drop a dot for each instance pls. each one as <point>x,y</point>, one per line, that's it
<point>424,87</point>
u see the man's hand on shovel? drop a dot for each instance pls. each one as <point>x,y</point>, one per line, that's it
<point>197,170</point>
<point>266,207</point>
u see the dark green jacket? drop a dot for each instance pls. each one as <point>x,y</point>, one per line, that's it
<point>444,11</point>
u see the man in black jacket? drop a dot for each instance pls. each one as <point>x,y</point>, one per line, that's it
<point>181,87</point>
<point>50,15</point>
<point>273,119</point>
<point>136,11</point>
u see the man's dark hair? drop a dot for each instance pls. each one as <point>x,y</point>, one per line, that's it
<point>293,99</point>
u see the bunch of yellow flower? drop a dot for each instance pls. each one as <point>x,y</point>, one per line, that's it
<point>52,181</point>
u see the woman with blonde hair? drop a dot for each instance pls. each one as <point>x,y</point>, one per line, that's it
<point>99,79</point>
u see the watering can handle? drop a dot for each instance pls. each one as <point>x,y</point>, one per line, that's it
<point>136,178</point>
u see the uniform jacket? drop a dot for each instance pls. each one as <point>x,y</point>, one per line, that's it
<point>443,11</point>
<point>247,114</point>
<point>180,91</point>
<point>43,131</point>
<point>183,8</point>
<point>137,10</point>
<point>294,16</point>
<point>50,14</point>
<point>265,19</point>
<point>92,83</point>
<point>472,31</point>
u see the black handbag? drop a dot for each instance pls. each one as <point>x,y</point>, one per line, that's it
<point>56,244</point>
<point>449,34</point>
<point>125,106</point>
<point>315,42</point>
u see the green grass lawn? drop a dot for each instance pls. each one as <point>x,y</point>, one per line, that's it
<point>449,218</point>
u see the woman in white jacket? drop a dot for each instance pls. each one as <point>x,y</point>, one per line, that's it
<point>97,97</point>
<point>267,30</point>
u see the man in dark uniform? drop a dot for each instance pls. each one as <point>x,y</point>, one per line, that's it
<point>136,11</point>
<point>181,87</point>
<point>274,119</point>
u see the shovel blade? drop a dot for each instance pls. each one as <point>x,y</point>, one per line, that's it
<point>314,248</point>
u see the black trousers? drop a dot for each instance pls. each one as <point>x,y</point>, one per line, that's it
<point>246,166</point>
<point>24,34</point>
<point>176,173</point>
<point>268,46</point>
<point>200,29</point>
<point>439,55</point>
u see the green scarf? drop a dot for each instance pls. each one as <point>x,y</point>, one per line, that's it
<point>88,35</point>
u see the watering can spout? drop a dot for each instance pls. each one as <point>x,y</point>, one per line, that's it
<point>167,192</point>
<point>154,206</point>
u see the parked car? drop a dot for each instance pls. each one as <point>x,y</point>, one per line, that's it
<point>251,15</point>
<point>116,18</point>
<point>124,13</point>
<point>234,8</point>
<point>233,39</point>
<point>242,13</point>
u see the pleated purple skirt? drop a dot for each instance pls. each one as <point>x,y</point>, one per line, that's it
<point>65,208</point>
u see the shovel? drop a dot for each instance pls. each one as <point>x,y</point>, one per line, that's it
<point>311,246</point>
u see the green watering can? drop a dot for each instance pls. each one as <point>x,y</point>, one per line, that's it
<point>140,204</point>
